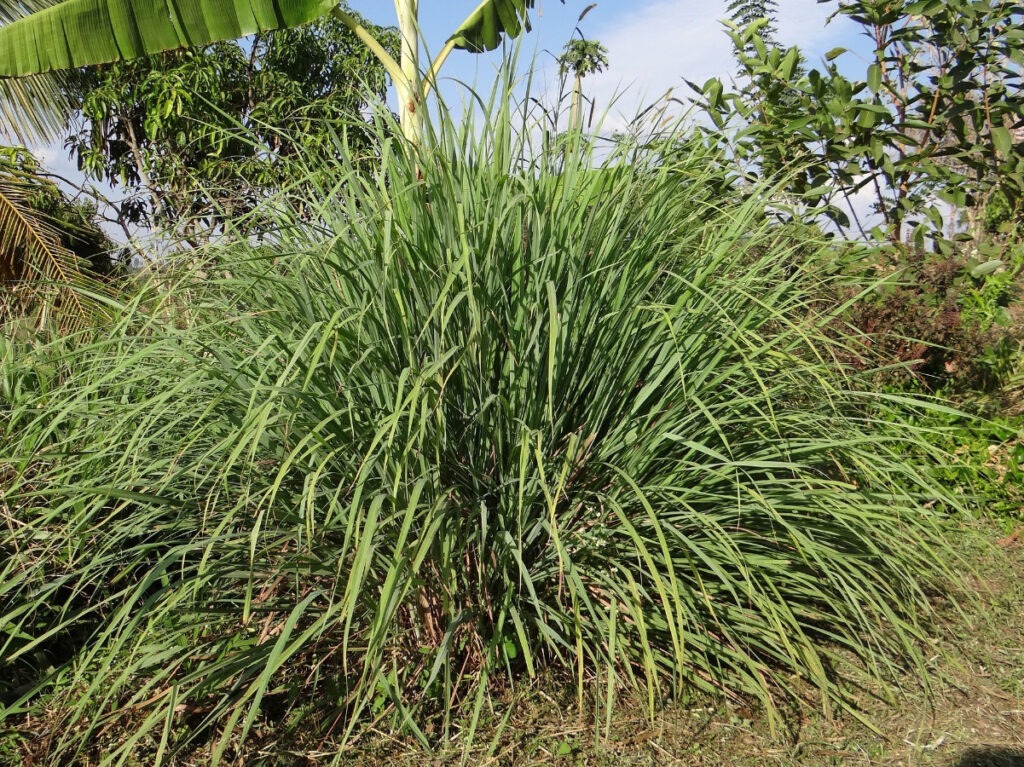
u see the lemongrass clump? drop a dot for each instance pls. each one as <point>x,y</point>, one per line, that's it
<point>496,411</point>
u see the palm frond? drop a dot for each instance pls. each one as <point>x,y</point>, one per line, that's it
<point>32,109</point>
<point>39,276</point>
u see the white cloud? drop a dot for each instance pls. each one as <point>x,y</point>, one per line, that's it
<point>48,155</point>
<point>654,48</point>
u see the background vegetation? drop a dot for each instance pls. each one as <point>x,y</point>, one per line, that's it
<point>201,137</point>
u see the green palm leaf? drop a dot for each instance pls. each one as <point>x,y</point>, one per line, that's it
<point>38,274</point>
<point>32,109</point>
<point>78,33</point>
<point>483,29</point>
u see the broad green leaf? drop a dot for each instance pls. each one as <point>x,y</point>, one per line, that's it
<point>1002,139</point>
<point>925,7</point>
<point>874,78</point>
<point>982,270</point>
<point>789,63</point>
<point>32,109</point>
<point>79,33</point>
<point>483,29</point>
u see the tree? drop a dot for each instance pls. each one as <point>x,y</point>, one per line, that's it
<point>743,13</point>
<point>581,57</point>
<point>49,248</point>
<point>285,97</point>
<point>930,121</point>
<point>945,83</point>
<point>77,33</point>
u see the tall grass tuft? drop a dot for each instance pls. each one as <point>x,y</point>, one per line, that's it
<point>498,412</point>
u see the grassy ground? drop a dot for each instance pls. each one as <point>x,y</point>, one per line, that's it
<point>972,717</point>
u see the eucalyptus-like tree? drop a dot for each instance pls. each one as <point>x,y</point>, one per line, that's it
<point>77,33</point>
<point>930,121</point>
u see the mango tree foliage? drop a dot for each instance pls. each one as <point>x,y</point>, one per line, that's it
<point>201,136</point>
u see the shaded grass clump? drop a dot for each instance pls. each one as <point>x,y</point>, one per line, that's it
<point>495,415</point>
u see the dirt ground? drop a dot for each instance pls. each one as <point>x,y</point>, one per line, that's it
<point>973,715</point>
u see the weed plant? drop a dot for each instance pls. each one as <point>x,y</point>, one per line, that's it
<point>499,411</point>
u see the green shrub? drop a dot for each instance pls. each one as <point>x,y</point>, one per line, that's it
<point>986,466</point>
<point>945,320</point>
<point>519,414</point>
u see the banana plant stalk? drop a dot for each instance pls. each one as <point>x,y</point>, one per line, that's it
<point>412,84</point>
<point>79,33</point>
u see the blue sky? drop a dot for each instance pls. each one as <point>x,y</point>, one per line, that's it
<point>654,45</point>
